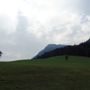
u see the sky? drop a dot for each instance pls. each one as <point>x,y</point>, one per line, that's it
<point>27,26</point>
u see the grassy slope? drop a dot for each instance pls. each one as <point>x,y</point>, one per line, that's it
<point>47,74</point>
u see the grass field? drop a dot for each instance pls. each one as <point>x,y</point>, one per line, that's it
<point>47,74</point>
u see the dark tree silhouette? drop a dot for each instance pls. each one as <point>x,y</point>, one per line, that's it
<point>0,53</point>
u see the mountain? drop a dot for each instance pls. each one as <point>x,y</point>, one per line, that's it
<point>82,49</point>
<point>88,42</point>
<point>48,48</point>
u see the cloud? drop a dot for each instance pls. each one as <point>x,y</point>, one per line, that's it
<point>84,6</point>
<point>64,27</point>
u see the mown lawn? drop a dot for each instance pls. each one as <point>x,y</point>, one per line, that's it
<point>47,74</point>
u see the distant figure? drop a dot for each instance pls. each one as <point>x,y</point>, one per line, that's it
<point>66,57</point>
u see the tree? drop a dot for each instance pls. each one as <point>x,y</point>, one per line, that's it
<point>0,53</point>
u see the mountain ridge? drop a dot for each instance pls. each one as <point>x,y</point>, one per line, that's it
<point>83,49</point>
<point>48,48</point>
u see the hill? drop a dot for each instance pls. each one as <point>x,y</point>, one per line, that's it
<point>82,49</point>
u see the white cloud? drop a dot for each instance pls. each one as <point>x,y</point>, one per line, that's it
<point>62,28</point>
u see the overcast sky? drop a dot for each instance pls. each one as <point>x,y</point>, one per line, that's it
<point>27,26</point>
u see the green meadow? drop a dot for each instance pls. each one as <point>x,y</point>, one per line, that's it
<point>46,74</point>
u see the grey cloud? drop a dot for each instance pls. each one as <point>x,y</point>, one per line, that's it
<point>70,33</point>
<point>84,6</point>
<point>80,6</point>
